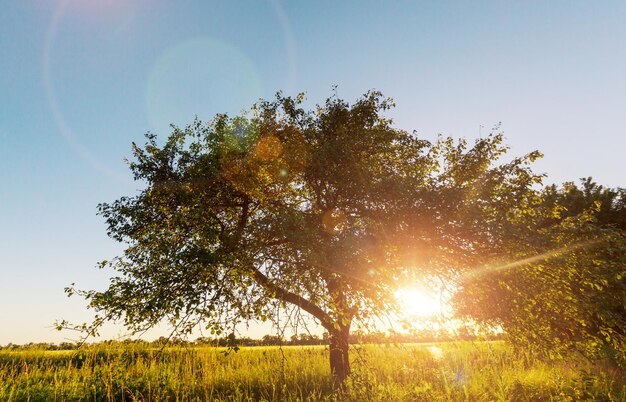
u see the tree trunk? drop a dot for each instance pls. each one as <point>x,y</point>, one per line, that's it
<point>339,361</point>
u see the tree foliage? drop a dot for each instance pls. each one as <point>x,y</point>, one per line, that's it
<point>327,210</point>
<point>565,288</point>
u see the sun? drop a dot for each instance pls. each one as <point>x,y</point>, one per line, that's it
<point>418,302</point>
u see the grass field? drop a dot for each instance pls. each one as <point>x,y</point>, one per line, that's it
<point>480,371</point>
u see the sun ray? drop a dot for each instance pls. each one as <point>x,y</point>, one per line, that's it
<point>537,258</point>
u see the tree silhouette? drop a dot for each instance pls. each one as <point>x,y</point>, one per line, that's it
<point>327,210</point>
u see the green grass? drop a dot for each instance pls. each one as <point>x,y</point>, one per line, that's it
<point>487,371</point>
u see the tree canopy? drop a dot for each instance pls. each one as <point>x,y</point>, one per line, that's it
<point>327,210</point>
<point>566,286</point>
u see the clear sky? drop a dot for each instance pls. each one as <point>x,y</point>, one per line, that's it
<point>81,79</point>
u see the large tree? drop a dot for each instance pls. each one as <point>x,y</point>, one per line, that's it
<point>328,210</point>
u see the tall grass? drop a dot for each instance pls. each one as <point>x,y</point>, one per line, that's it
<point>488,371</point>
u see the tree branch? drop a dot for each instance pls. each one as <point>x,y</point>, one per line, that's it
<point>277,291</point>
<point>289,297</point>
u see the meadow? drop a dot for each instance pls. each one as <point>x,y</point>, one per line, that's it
<point>453,371</point>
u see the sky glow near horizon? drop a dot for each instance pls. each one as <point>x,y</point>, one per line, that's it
<point>81,80</point>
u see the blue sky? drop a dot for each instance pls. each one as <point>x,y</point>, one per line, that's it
<point>81,79</point>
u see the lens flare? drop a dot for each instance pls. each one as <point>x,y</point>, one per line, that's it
<point>200,77</point>
<point>64,128</point>
<point>124,12</point>
<point>333,221</point>
<point>268,148</point>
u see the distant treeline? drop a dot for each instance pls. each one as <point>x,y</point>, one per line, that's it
<point>356,337</point>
